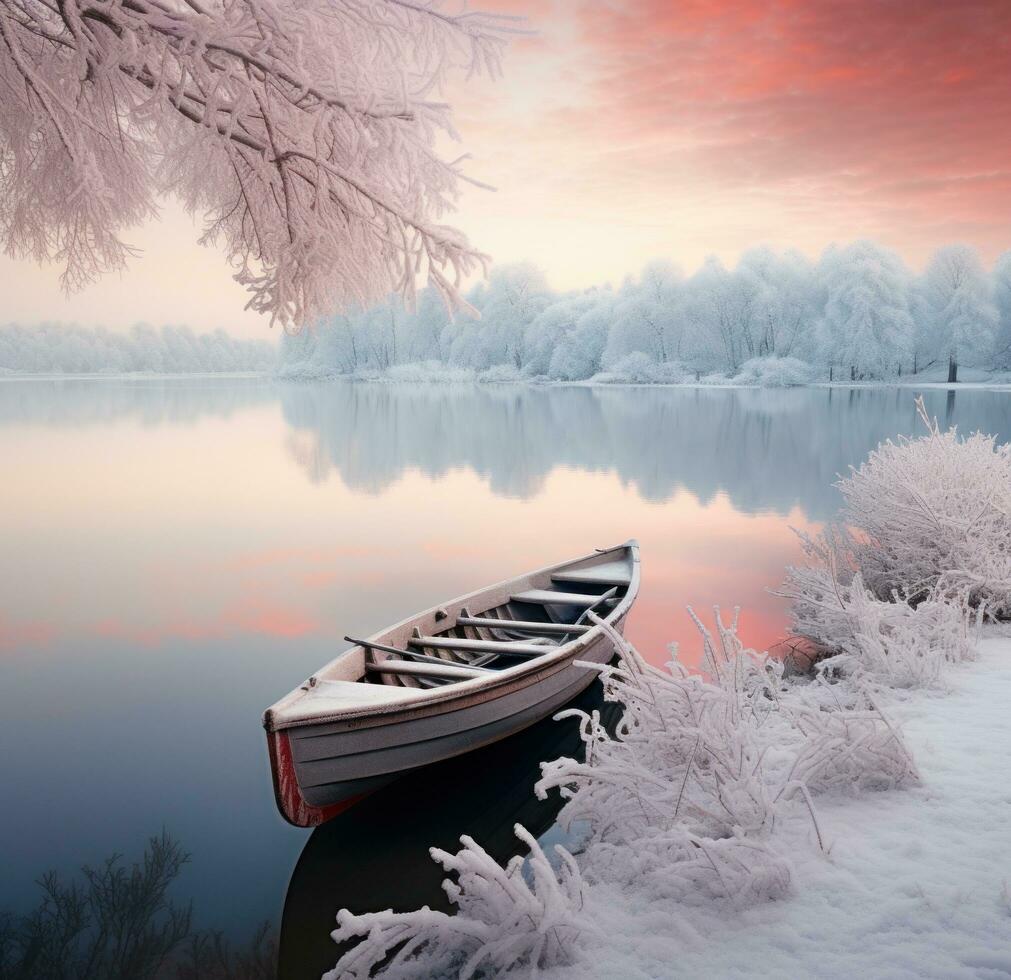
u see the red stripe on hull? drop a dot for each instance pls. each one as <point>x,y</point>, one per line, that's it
<point>289,797</point>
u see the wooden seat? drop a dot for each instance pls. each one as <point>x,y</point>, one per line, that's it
<point>611,573</point>
<point>500,647</point>
<point>520,625</point>
<point>427,669</point>
<point>548,597</point>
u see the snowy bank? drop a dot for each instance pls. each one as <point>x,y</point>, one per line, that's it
<point>908,883</point>
<point>633,371</point>
<point>693,804</point>
<point>915,883</point>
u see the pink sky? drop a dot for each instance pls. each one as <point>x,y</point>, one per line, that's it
<point>624,131</point>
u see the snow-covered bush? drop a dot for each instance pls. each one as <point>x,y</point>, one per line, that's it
<point>774,372</point>
<point>512,920</point>
<point>847,744</point>
<point>678,799</point>
<point>932,516</point>
<point>501,374</point>
<point>639,368</point>
<point>684,796</point>
<point>900,645</point>
<point>429,372</point>
<point>685,751</point>
<point>895,643</point>
<point>838,736</point>
<point>303,371</point>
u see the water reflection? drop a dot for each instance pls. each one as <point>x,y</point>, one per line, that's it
<point>120,922</point>
<point>375,856</point>
<point>768,450</point>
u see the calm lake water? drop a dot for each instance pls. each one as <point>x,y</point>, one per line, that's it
<point>175,555</point>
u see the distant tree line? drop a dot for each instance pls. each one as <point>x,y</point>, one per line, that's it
<point>858,313</point>
<point>57,348</point>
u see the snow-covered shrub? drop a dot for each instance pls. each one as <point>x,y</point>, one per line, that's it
<point>677,865</point>
<point>678,798</point>
<point>896,643</point>
<point>684,751</point>
<point>774,372</point>
<point>303,371</point>
<point>932,516</point>
<point>683,798</point>
<point>819,590</point>
<point>900,645</point>
<point>639,368</point>
<point>837,735</point>
<point>501,374</point>
<point>429,372</point>
<point>848,744</point>
<point>512,920</point>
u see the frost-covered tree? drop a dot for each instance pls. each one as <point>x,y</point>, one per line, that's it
<point>297,353</point>
<point>551,328</point>
<point>509,302</point>
<point>649,315</point>
<point>866,325</point>
<point>579,353</point>
<point>960,316</point>
<point>304,131</point>
<point>423,328</point>
<point>774,319</point>
<point>784,299</point>
<point>1002,300</point>
<point>516,296</point>
<point>382,330</point>
<point>724,310</point>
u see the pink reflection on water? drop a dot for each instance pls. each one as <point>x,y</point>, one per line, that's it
<point>712,555</point>
<point>257,615</point>
<point>24,634</point>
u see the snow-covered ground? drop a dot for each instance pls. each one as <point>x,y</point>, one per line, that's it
<point>916,882</point>
<point>760,373</point>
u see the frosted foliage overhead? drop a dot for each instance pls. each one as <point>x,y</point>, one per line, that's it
<point>302,131</point>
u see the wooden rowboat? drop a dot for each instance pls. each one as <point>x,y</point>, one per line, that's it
<point>451,679</point>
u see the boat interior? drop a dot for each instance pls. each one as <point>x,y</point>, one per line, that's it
<point>469,638</point>
<point>530,624</point>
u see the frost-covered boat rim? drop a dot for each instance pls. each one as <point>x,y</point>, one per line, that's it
<point>274,718</point>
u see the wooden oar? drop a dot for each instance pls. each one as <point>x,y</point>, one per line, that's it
<point>609,594</point>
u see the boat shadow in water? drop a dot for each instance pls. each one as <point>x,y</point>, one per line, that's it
<point>376,855</point>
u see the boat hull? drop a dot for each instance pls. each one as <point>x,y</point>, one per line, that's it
<point>322,769</point>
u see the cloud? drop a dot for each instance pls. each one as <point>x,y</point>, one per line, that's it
<point>708,126</point>
<point>884,105</point>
